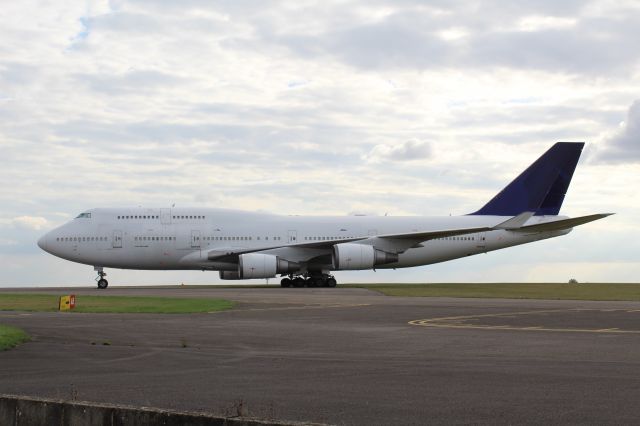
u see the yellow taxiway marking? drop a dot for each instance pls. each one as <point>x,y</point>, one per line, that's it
<point>463,322</point>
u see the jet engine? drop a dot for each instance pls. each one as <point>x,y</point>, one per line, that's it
<point>257,265</point>
<point>351,256</point>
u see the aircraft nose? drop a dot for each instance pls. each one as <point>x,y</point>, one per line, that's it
<point>42,242</point>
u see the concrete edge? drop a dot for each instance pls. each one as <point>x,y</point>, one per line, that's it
<point>17,410</point>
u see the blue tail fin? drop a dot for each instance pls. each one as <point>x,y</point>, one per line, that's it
<point>542,187</point>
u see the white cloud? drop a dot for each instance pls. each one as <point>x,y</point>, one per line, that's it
<point>539,23</point>
<point>453,33</point>
<point>31,222</point>
<point>411,150</point>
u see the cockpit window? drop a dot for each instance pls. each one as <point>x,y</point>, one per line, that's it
<point>84,215</point>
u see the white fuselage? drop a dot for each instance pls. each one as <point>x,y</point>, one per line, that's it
<point>181,238</point>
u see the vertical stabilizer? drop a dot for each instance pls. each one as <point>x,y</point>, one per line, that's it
<point>541,187</point>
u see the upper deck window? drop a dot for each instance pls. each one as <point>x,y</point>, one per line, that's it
<point>84,215</point>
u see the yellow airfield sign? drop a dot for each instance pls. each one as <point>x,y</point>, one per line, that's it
<point>67,303</point>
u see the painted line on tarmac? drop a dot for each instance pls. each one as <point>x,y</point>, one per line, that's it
<point>292,308</point>
<point>461,322</point>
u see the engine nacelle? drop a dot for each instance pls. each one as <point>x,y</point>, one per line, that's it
<point>351,256</point>
<point>258,265</point>
<point>229,275</point>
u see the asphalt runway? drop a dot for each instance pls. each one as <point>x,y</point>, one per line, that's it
<point>343,356</point>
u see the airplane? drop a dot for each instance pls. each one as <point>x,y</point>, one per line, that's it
<point>304,251</point>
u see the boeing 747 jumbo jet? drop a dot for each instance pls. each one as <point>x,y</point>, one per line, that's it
<point>305,250</point>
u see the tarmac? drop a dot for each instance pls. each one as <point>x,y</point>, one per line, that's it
<point>342,356</point>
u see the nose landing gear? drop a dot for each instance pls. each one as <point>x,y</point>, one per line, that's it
<point>102,282</point>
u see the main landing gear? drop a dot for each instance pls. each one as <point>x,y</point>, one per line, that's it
<point>309,280</point>
<point>102,282</point>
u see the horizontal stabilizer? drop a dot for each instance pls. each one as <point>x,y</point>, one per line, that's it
<point>516,221</point>
<point>563,223</point>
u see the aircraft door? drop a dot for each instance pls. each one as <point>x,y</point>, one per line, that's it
<point>293,236</point>
<point>195,239</point>
<point>165,216</point>
<point>481,240</point>
<point>117,239</point>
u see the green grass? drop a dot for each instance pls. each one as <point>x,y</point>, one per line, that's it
<point>11,337</point>
<point>594,291</point>
<point>114,304</point>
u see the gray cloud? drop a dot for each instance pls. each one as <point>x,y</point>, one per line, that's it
<point>410,38</point>
<point>624,145</point>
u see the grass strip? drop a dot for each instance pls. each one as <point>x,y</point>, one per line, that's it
<point>11,337</point>
<point>591,291</point>
<point>113,304</point>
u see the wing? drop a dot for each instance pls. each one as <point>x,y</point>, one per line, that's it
<point>399,243</point>
<point>402,242</point>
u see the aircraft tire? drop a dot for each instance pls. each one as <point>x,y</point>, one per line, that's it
<point>298,282</point>
<point>285,282</point>
<point>331,282</point>
<point>102,284</point>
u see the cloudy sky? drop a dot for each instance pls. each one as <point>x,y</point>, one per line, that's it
<point>328,107</point>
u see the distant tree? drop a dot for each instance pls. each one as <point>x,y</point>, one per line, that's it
<point>573,281</point>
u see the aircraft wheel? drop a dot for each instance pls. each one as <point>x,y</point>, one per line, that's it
<point>285,282</point>
<point>331,282</point>
<point>298,282</point>
<point>102,283</point>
